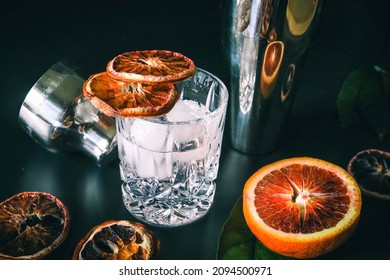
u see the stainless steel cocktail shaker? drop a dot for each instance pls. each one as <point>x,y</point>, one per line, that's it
<point>57,116</point>
<point>264,42</point>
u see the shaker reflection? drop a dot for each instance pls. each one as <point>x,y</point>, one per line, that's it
<point>264,42</point>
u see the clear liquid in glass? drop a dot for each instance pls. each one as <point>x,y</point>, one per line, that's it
<point>169,164</point>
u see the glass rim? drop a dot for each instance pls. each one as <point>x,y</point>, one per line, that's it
<point>213,114</point>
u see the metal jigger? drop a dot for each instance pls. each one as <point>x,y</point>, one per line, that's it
<point>57,116</point>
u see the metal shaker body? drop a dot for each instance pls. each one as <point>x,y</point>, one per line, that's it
<point>264,43</point>
<point>57,116</point>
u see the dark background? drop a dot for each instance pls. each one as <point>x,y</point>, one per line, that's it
<point>34,35</point>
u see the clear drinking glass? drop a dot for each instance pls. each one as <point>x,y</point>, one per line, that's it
<point>168,164</point>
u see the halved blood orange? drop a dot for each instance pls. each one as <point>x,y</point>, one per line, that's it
<point>151,67</point>
<point>302,207</point>
<point>117,240</point>
<point>124,99</point>
<point>371,169</point>
<point>32,225</point>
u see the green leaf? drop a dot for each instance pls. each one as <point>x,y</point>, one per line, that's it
<point>348,96</point>
<point>365,99</point>
<point>236,241</point>
<point>385,76</point>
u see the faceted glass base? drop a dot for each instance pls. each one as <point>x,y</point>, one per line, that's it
<point>161,203</point>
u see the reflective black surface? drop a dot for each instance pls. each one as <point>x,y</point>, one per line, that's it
<point>36,34</point>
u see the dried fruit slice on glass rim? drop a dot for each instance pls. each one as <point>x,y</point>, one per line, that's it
<point>371,169</point>
<point>151,67</point>
<point>32,225</point>
<point>117,240</point>
<point>123,99</point>
<point>302,207</point>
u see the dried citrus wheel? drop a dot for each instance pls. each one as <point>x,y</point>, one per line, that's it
<point>151,67</point>
<point>32,225</point>
<point>301,207</point>
<point>117,240</point>
<point>122,99</point>
<point>371,169</point>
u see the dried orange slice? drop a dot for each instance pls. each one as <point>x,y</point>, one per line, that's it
<point>302,207</point>
<point>371,169</point>
<point>123,99</point>
<point>151,67</point>
<point>117,240</point>
<point>32,225</point>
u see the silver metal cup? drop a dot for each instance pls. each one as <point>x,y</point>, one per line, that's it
<point>264,42</point>
<point>57,116</point>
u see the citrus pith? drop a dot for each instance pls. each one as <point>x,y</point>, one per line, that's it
<point>301,207</point>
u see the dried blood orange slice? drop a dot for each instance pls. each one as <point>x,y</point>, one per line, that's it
<point>32,225</point>
<point>117,240</point>
<point>301,207</point>
<point>371,169</point>
<point>151,67</point>
<point>122,99</point>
